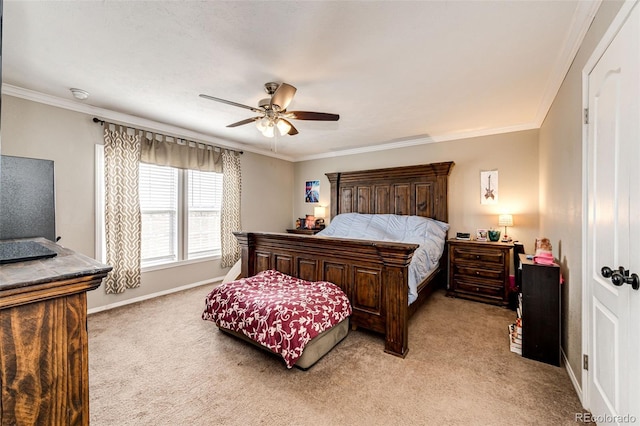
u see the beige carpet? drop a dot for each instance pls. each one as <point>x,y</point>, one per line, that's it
<point>158,363</point>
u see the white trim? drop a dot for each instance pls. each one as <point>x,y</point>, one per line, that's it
<point>603,44</point>
<point>586,293</point>
<point>131,120</point>
<point>572,376</point>
<point>177,263</point>
<point>609,35</point>
<point>421,141</point>
<point>152,295</point>
<point>582,18</point>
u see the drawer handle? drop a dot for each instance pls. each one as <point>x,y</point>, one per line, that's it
<point>477,288</point>
<point>477,256</point>
<point>477,272</point>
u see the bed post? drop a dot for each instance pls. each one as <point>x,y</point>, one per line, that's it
<point>396,282</point>
<point>247,253</point>
<point>334,179</point>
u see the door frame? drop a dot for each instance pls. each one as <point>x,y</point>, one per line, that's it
<point>603,44</point>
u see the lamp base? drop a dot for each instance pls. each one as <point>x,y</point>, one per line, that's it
<point>506,239</point>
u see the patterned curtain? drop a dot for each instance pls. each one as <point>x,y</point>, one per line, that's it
<point>230,220</point>
<point>122,208</point>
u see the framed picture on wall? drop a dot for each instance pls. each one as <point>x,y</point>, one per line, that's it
<point>312,191</point>
<point>489,187</point>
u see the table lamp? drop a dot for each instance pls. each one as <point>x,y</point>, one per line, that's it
<point>505,220</point>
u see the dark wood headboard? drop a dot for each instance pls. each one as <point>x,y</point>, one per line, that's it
<point>412,190</point>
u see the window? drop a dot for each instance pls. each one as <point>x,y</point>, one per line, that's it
<point>203,207</point>
<point>180,214</point>
<point>158,192</point>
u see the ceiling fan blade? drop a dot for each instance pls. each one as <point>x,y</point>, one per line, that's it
<point>283,96</point>
<point>243,122</point>
<point>316,116</point>
<point>224,101</point>
<point>292,131</point>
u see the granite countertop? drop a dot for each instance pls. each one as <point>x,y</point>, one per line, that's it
<point>65,265</point>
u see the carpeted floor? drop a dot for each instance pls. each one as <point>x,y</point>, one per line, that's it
<point>158,363</point>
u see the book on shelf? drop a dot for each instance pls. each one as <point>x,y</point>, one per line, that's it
<point>515,339</point>
<point>517,350</point>
<point>515,332</point>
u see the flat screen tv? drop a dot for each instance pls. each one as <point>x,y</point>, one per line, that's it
<point>27,198</point>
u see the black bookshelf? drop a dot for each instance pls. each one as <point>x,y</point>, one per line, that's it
<point>541,317</point>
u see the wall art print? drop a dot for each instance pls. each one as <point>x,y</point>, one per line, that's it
<point>489,187</point>
<point>312,191</point>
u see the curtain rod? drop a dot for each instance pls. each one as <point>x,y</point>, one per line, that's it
<point>97,120</point>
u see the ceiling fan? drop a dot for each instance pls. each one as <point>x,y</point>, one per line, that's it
<point>273,115</point>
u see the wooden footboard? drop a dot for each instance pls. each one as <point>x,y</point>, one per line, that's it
<point>373,274</point>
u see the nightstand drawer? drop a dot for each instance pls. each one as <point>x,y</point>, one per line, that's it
<point>496,274</point>
<point>484,255</point>
<point>479,288</point>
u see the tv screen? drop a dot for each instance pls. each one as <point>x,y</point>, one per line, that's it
<point>27,198</point>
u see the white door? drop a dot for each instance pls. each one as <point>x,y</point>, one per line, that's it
<point>613,232</point>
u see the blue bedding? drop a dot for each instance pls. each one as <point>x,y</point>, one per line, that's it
<point>430,234</point>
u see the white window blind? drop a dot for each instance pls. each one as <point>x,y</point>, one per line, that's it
<point>180,214</point>
<point>158,191</point>
<point>203,213</point>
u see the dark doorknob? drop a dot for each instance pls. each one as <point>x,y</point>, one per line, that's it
<point>621,276</point>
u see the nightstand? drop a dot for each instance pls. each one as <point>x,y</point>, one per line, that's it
<point>304,231</point>
<point>479,271</point>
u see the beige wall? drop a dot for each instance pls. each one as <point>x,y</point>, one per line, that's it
<point>561,186</point>
<point>514,155</point>
<point>31,129</point>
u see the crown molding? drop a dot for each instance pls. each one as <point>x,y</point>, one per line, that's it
<point>423,140</point>
<point>151,125</point>
<point>582,18</point>
<point>131,120</point>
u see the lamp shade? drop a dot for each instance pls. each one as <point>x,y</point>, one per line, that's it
<point>269,130</point>
<point>319,211</point>
<point>505,220</point>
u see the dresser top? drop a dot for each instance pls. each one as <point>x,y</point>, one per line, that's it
<point>67,264</point>
<point>481,243</point>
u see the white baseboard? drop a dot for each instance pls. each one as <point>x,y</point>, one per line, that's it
<point>152,295</point>
<point>572,376</point>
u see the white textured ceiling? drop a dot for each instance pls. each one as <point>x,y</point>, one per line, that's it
<point>397,72</point>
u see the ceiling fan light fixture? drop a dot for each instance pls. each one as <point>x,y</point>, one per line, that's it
<point>262,124</point>
<point>283,127</point>
<point>269,131</point>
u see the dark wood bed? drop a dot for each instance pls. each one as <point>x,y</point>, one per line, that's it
<point>373,274</point>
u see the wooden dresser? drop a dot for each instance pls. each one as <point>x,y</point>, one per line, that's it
<point>44,372</point>
<point>479,271</point>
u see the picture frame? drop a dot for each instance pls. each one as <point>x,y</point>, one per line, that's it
<point>312,191</point>
<point>482,234</point>
<point>489,187</point>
